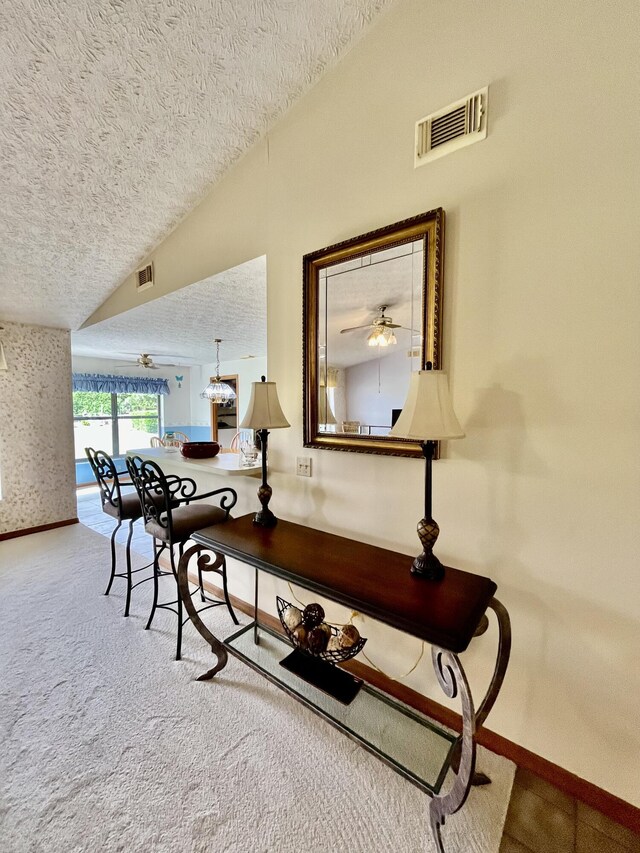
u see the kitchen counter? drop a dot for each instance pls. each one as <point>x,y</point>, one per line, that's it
<point>227,464</point>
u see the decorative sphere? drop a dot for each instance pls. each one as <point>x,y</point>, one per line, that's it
<point>300,636</point>
<point>348,636</point>
<point>312,615</point>
<point>292,618</point>
<point>317,640</point>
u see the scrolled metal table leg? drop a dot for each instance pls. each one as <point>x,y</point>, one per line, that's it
<point>502,661</point>
<point>205,564</point>
<point>500,668</point>
<point>453,680</point>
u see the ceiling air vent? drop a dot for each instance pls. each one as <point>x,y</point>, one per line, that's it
<point>144,278</point>
<point>457,125</point>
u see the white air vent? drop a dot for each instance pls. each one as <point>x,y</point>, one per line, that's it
<point>144,278</point>
<point>457,125</point>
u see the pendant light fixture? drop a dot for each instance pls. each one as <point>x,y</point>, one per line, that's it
<point>218,391</point>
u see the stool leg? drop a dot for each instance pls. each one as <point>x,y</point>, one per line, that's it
<point>156,569</point>
<point>179,640</point>
<point>128,601</point>
<point>202,598</point>
<point>113,556</point>
<point>226,592</point>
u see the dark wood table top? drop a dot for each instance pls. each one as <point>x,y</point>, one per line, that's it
<point>362,577</point>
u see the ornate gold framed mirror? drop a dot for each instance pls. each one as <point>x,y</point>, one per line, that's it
<point>372,315</point>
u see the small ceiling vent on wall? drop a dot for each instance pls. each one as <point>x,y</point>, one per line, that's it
<point>453,127</point>
<point>144,278</point>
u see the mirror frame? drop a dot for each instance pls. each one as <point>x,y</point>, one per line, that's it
<point>427,226</point>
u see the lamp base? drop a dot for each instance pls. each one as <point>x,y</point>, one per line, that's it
<point>427,566</point>
<point>265,518</point>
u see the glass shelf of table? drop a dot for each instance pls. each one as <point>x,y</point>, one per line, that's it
<point>411,743</point>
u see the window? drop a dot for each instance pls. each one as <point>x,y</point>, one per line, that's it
<point>113,422</point>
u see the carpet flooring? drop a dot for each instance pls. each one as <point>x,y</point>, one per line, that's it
<point>108,744</point>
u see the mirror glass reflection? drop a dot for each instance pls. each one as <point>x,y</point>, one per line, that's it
<point>370,339</point>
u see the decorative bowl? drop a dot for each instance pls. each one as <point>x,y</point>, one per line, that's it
<point>199,449</point>
<point>332,656</point>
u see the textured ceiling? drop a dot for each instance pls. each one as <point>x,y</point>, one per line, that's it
<point>117,116</point>
<point>181,326</point>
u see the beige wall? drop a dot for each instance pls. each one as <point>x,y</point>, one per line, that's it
<point>37,475</point>
<point>541,338</point>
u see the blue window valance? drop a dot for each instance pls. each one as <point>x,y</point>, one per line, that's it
<point>119,384</point>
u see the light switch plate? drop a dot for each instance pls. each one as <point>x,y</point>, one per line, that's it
<point>303,466</point>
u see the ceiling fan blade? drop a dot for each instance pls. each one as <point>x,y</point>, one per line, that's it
<point>355,328</point>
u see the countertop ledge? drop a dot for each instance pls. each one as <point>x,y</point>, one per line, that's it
<point>226,464</point>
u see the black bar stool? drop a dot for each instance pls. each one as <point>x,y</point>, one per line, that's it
<point>122,507</point>
<point>171,518</point>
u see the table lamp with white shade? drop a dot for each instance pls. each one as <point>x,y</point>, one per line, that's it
<point>428,417</point>
<point>264,413</point>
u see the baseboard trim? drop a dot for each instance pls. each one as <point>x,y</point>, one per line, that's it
<point>27,531</point>
<point>602,801</point>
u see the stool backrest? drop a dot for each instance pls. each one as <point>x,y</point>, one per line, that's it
<point>157,493</point>
<point>106,474</point>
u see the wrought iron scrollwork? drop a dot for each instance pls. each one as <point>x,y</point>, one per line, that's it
<point>502,661</point>
<point>208,561</point>
<point>106,474</point>
<point>453,681</point>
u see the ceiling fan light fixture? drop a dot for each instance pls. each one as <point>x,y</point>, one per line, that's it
<point>373,338</point>
<point>388,338</point>
<point>217,391</point>
<point>145,360</point>
<point>382,336</point>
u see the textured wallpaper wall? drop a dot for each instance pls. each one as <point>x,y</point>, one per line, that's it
<point>37,476</point>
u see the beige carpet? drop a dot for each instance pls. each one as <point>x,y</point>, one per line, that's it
<point>107,744</point>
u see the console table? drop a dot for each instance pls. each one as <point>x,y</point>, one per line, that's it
<point>378,583</point>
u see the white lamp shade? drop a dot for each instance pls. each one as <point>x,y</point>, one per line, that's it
<point>428,411</point>
<point>325,413</point>
<point>264,410</point>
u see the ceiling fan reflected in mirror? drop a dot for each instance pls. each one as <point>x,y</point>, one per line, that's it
<point>381,334</point>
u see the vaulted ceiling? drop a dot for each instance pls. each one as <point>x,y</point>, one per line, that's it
<point>118,116</point>
<point>181,326</point>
